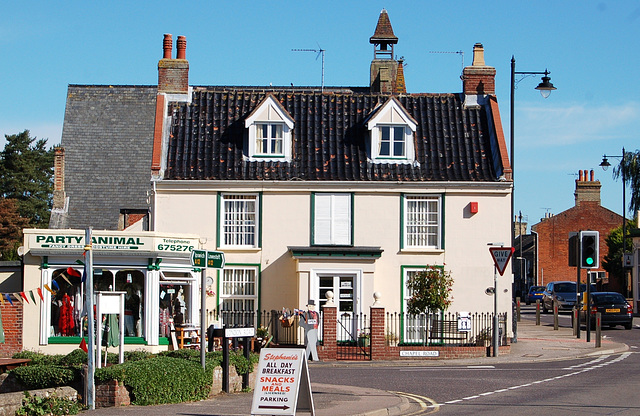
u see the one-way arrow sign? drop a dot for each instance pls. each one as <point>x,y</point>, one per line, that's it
<point>501,257</point>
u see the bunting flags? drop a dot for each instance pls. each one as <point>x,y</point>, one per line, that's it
<point>23,297</point>
<point>83,346</point>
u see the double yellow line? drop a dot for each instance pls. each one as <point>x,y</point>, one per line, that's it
<point>427,405</point>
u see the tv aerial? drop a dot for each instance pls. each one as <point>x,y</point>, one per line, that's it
<point>461,53</point>
<point>320,52</point>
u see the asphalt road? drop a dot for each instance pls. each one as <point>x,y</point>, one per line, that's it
<point>604,385</point>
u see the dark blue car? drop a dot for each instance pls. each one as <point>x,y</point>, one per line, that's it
<point>535,293</point>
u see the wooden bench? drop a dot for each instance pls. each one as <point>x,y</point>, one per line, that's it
<point>446,331</point>
<point>7,364</point>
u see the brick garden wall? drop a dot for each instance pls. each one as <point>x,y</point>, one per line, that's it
<point>12,321</point>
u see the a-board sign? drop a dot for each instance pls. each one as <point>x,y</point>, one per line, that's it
<point>464,322</point>
<point>282,383</point>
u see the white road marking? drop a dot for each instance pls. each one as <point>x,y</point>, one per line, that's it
<point>594,364</point>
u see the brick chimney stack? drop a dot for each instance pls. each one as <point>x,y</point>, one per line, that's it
<point>479,79</point>
<point>173,74</point>
<point>58,177</point>
<point>587,188</point>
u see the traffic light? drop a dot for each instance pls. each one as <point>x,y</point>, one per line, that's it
<point>589,249</point>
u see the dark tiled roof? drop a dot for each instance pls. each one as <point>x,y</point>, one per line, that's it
<point>108,139</point>
<point>208,137</point>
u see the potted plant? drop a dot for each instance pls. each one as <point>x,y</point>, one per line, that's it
<point>363,338</point>
<point>262,337</point>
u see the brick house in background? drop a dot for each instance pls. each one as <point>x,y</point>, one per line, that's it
<point>553,234</point>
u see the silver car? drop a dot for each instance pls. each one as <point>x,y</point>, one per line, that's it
<point>564,292</point>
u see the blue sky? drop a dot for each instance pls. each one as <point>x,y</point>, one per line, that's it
<point>592,49</point>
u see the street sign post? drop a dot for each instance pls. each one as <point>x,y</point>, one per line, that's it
<point>203,259</point>
<point>501,257</point>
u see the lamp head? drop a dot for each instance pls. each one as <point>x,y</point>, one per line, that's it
<point>545,87</point>
<point>605,163</point>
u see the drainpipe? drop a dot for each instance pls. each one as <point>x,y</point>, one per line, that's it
<point>536,262</point>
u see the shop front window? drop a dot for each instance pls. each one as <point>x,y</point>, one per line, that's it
<point>174,303</point>
<point>68,314</point>
<point>67,304</point>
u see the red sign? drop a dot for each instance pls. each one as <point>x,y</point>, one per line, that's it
<point>501,257</point>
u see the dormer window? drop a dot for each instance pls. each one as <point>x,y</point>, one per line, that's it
<point>392,130</point>
<point>269,131</point>
<point>269,139</point>
<point>392,141</point>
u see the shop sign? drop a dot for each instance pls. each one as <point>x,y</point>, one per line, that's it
<point>282,383</point>
<point>112,242</point>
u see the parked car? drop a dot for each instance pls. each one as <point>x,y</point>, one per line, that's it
<point>535,293</point>
<point>614,309</point>
<point>562,291</point>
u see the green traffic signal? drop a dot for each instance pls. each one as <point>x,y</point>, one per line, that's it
<point>589,249</point>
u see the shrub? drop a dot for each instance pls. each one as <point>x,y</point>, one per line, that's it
<point>185,354</point>
<point>161,380</point>
<point>137,355</point>
<point>74,358</point>
<point>37,358</point>
<point>41,376</point>
<point>48,405</point>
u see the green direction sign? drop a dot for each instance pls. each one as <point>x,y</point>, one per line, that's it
<point>198,258</point>
<point>215,259</point>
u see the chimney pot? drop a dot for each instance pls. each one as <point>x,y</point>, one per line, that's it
<point>167,45</point>
<point>580,177</point>
<point>182,47</point>
<point>478,55</point>
<point>592,177</point>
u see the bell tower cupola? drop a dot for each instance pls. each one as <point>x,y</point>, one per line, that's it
<point>384,66</point>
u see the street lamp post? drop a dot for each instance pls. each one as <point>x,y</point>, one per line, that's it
<point>605,165</point>
<point>545,88</point>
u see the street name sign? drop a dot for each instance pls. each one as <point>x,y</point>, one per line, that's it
<point>239,332</point>
<point>282,383</point>
<point>215,259</point>
<point>501,257</point>
<point>198,258</point>
<point>211,259</point>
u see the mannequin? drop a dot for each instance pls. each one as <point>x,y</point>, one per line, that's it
<point>309,321</point>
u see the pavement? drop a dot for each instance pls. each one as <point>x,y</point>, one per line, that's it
<point>534,344</point>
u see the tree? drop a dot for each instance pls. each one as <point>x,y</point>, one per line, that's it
<point>26,176</point>
<point>430,291</point>
<point>612,261</point>
<point>630,166</point>
<point>11,225</point>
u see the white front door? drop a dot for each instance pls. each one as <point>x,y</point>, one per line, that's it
<point>346,295</point>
